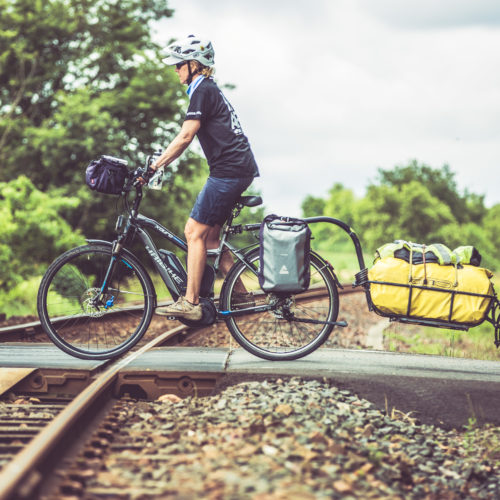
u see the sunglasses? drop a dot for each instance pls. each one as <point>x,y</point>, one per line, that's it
<point>179,65</point>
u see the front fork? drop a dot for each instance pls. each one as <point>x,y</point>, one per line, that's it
<point>99,300</point>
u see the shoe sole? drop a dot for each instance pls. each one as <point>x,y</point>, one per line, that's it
<point>178,315</point>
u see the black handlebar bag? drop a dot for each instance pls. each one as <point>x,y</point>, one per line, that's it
<point>284,255</point>
<point>106,175</point>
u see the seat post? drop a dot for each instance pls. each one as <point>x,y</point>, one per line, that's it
<point>234,213</point>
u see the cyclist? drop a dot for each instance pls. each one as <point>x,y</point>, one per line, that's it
<point>232,165</point>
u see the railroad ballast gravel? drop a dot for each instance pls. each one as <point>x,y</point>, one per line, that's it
<point>288,439</point>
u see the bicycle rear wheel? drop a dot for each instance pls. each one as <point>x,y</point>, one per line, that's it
<point>269,334</point>
<point>81,320</point>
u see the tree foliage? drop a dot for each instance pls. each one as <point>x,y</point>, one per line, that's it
<point>81,78</point>
<point>466,207</point>
<point>32,230</point>
<point>416,203</point>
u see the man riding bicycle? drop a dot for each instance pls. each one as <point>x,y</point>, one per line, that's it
<point>232,165</point>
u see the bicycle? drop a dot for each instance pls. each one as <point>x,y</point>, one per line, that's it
<point>96,301</point>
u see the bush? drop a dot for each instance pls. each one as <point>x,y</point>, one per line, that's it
<point>33,231</point>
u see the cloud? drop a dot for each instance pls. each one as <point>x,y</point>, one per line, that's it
<point>329,90</point>
<point>431,14</point>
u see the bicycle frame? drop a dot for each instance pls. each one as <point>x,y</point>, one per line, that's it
<point>138,225</point>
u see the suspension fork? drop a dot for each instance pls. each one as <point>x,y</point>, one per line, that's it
<point>115,254</point>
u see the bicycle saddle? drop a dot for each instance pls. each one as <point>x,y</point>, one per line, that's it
<point>250,201</point>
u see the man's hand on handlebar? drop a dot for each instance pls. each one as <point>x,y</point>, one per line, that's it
<point>143,176</point>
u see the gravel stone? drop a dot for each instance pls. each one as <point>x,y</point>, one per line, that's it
<point>287,439</point>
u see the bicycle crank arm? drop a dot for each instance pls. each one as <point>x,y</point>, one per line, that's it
<point>318,322</point>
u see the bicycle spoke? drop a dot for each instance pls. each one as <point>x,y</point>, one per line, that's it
<point>275,334</point>
<point>83,317</point>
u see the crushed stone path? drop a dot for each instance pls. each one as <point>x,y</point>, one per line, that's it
<point>288,439</point>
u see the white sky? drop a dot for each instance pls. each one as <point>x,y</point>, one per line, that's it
<point>330,90</point>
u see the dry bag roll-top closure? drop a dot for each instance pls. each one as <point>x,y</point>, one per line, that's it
<point>106,175</point>
<point>284,255</point>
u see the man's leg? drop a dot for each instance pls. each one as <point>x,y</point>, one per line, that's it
<point>188,307</point>
<point>213,241</point>
<point>196,236</point>
<point>226,261</point>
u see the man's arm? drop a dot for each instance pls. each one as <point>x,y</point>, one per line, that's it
<point>179,144</point>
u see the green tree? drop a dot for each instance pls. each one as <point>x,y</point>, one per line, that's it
<point>441,184</point>
<point>32,230</point>
<point>410,213</point>
<point>339,204</point>
<point>492,226</point>
<point>313,206</point>
<point>81,78</point>
<point>415,203</point>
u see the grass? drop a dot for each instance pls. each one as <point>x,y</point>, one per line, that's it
<point>477,343</point>
<point>20,300</point>
<point>485,438</point>
<point>345,263</point>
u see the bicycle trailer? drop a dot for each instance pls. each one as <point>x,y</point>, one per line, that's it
<point>430,285</point>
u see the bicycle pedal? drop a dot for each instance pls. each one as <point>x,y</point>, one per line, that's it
<point>172,318</point>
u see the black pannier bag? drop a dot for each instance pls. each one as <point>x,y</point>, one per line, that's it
<point>284,255</point>
<point>106,175</point>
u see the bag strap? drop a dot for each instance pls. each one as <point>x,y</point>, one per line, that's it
<point>425,265</point>
<point>410,277</point>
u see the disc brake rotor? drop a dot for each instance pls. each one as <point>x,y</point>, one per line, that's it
<point>89,303</point>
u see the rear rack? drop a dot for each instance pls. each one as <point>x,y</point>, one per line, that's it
<point>492,315</point>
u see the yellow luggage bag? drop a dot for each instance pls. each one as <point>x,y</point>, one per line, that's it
<point>455,294</point>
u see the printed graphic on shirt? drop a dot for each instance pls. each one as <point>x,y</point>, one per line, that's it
<point>220,134</point>
<point>235,122</point>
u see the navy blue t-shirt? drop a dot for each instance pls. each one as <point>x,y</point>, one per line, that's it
<point>220,134</point>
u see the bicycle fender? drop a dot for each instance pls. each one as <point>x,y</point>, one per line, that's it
<point>329,267</point>
<point>101,242</point>
<point>105,243</point>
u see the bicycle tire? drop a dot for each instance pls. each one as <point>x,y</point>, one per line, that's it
<point>265,334</point>
<point>72,319</point>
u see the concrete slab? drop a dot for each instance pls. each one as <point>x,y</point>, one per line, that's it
<point>181,359</point>
<point>9,377</point>
<point>185,371</point>
<point>42,355</point>
<point>439,390</point>
<point>355,363</point>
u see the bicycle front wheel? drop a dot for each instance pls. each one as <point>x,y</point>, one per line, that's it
<point>298,324</point>
<point>83,321</point>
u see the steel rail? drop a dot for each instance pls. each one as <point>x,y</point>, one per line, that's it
<point>23,470</point>
<point>36,325</point>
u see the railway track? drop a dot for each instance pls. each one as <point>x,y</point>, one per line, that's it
<point>30,329</point>
<point>31,446</point>
<point>38,428</point>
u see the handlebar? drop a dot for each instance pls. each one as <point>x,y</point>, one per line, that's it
<point>147,174</point>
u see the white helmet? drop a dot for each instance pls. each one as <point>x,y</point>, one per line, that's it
<point>191,48</point>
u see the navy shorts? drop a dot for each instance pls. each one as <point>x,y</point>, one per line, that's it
<point>217,198</point>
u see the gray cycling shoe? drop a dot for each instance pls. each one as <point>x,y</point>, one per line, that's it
<point>181,309</point>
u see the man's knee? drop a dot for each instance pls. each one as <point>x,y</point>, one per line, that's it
<point>195,231</point>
